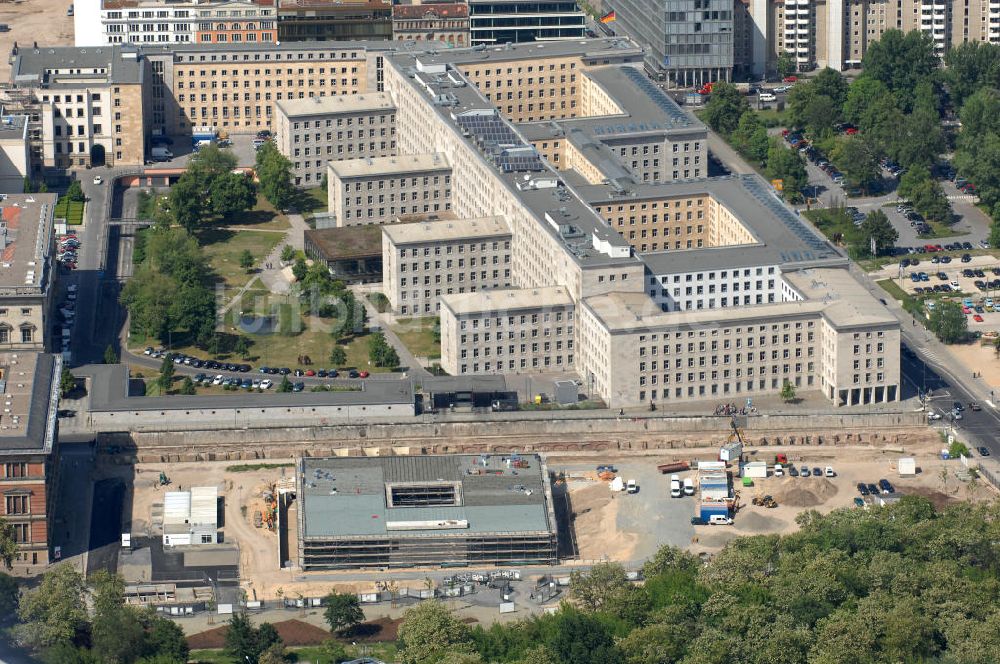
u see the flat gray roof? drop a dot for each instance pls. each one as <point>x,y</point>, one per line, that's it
<point>782,236</point>
<point>25,243</point>
<point>109,392</point>
<point>467,383</point>
<point>346,497</point>
<point>97,65</point>
<point>589,49</point>
<point>465,103</point>
<point>30,402</point>
<point>12,126</point>
<point>335,104</point>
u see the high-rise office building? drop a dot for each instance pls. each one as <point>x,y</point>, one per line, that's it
<point>502,21</point>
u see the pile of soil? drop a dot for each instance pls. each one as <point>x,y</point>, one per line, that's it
<point>939,499</point>
<point>299,633</point>
<point>804,492</point>
<point>758,522</point>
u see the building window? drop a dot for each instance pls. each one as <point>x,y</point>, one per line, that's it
<point>17,505</point>
<point>27,335</point>
<point>22,532</point>
<point>17,469</point>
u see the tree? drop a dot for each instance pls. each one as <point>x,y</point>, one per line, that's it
<point>877,231</point>
<point>911,180</point>
<point>948,322</point>
<point>274,654</point>
<point>285,385</point>
<point>187,387</point>
<point>785,64</point>
<point>67,383</point>
<point>110,356</point>
<point>8,544</point>
<point>9,592</point>
<point>54,612</point>
<point>595,589</point>
<point>287,253</point>
<point>165,639</point>
<point>920,140</point>
<point>75,192</point>
<point>428,631</point>
<point>343,611</point>
<point>274,172</point>
<point>232,193</point>
<point>300,269</point>
<point>380,352</point>
<point>246,260</point>
<point>166,378</point>
<point>930,200</point>
<point>116,632</point>
<point>749,138</point>
<point>901,62</point>
<point>334,651</point>
<point>971,66</point>
<point>245,643</point>
<point>185,202</point>
<point>831,84</point>
<point>787,392</point>
<point>786,165</point>
<point>857,157</point>
<point>242,347</point>
<point>338,357</point>
<point>725,107</point>
<point>861,97</point>
<point>994,239</point>
<point>580,638</point>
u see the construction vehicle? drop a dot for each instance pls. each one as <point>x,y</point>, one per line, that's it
<point>706,89</point>
<point>764,501</point>
<point>164,480</point>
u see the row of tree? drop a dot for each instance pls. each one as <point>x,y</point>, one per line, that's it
<point>210,188</point>
<point>729,113</point>
<point>897,584</point>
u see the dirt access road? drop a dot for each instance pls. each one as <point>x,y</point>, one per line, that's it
<point>33,21</point>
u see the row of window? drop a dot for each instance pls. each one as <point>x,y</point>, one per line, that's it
<point>726,344</point>
<point>257,57</point>
<point>523,333</point>
<point>449,265</point>
<point>391,183</point>
<point>394,211</point>
<point>482,246</point>
<point>235,73</point>
<point>546,361</point>
<point>349,135</point>
<point>345,122</point>
<point>381,146</point>
<point>267,84</point>
<point>403,197</point>
<point>727,388</point>
<point>514,320</point>
<point>534,347</point>
<point>448,279</point>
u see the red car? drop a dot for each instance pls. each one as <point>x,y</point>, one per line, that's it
<point>363,374</point>
<point>851,131</point>
<point>977,318</point>
<point>790,79</point>
<point>966,310</point>
<point>310,372</point>
<point>785,132</point>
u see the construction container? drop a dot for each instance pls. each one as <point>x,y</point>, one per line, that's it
<point>907,466</point>
<point>566,393</point>
<point>731,452</point>
<point>674,467</point>
<point>747,481</point>
<point>707,510</point>
<point>756,469</point>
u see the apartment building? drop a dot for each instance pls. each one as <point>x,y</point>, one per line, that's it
<point>515,21</point>
<point>30,383</point>
<point>687,43</point>
<point>379,190</point>
<point>513,330</point>
<point>423,261</point>
<point>446,22</point>
<point>235,87</point>
<point>314,130</point>
<point>87,106</point>
<point>102,22</point>
<point>334,20</point>
<point>837,33</point>
<point>729,254</point>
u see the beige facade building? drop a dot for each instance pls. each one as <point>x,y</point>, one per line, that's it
<point>15,153</point>
<point>837,33</point>
<point>514,330</point>
<point>423,261</point>
<point>379,190</point>
<point>86,107</point>
<point>446,22</point>
<point>235,87</point>
<point>315,130</point>
<point>617,261</point>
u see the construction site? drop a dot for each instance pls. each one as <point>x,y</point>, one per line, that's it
<point>351,516</point>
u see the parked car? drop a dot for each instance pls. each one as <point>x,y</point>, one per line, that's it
<point>983,451</point>
<point>885,486</point>
<point>862,489</point>
<point>804,471</point>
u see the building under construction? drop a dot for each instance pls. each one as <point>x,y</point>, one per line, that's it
<point>424,510</point>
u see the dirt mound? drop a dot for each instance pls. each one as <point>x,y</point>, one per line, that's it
<point>939,499</point>
<point>299,633</point>
<point>804,492</point>
<point>757,522</point>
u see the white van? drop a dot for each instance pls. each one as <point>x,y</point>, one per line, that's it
<point>719,520</point>
<point>675,486</point>
<point>767,96</point>
<point>688,486</point>
<point>779,470</point>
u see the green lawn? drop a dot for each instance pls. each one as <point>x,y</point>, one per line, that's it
<point>417,334</point>
<point>310,201</point>
<point>893,289</point>
<point>71,211</point>
<point>223,248</point>
<point>940,230</point>
<point>263,216</point>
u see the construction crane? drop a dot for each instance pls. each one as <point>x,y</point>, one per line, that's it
<point>738,435</point>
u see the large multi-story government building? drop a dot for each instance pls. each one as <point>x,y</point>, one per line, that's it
<point>314,130</point>
<point>627,264</point>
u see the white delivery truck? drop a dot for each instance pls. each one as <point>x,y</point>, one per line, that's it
<point>688,486</point>
<point>675,486</point>
<point>161,154</point>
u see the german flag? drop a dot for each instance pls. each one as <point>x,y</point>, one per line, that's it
<point>608,18</point>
